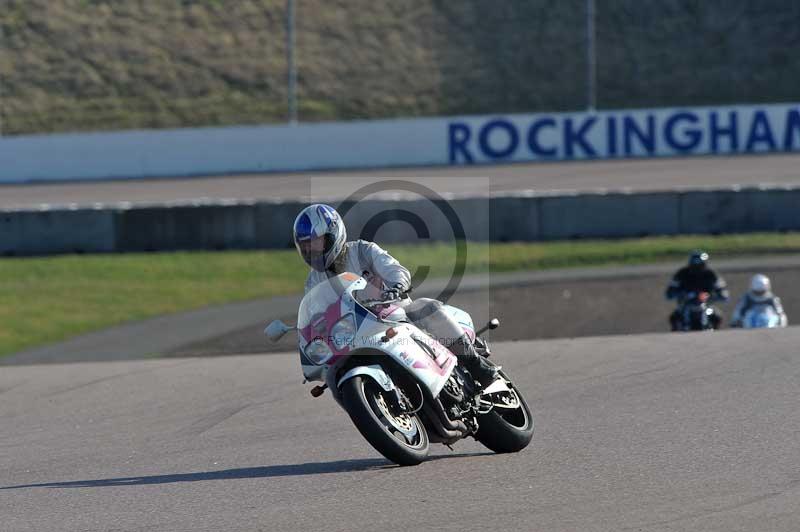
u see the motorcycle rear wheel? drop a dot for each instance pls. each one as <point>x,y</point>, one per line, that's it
<point>505,430</point>
<point>401,438</point>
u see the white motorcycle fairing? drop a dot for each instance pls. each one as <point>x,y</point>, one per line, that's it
<point>327,304</point>
<point>375,372</point>
<point>395,381</point>
<point>762,316</point>
<point>462,318</point>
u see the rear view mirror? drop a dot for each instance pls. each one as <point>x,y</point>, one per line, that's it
<point>276,330</point>
<point>493,324</point>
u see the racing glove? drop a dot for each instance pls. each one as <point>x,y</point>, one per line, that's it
<point>393,293</point>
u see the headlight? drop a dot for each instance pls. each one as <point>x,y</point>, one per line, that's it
<point>318,351</point>
<point>343,332</point>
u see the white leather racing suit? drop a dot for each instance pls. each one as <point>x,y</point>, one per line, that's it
<point>383,271</point>
<point>748,301</point>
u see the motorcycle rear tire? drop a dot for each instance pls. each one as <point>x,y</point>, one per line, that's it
<point>509,434</point>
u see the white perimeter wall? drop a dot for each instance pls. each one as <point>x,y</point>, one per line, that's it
<point>408,142</point>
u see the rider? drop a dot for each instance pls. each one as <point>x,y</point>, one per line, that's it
<point>321,239</point>
<point>697,276</point>
<point>760,293</point>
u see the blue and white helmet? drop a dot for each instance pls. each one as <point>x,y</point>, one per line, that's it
<point>319,235</point>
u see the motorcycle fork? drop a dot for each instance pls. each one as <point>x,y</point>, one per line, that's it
<point>400,398</point>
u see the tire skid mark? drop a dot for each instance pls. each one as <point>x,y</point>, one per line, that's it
<point>213,419</point>
<point>722,509</point>
<point>115,376</point>
<point>13,386</point>
<point>620,375</point>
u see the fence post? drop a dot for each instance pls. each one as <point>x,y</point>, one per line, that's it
<point>591,57</point>
<point>2,37</point>
<point>291,68</point>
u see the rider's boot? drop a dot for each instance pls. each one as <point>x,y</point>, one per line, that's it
<point>716,319</point>
<point>481,370</point>
<point>674,320</point>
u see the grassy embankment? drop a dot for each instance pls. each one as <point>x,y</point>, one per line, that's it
<point>83,65</point>
<point>44,300</point>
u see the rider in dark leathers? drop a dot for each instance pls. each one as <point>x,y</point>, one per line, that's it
<point>697,276</point>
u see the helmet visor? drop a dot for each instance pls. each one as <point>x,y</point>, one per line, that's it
<point>698,259</point>
<point>314,250</point>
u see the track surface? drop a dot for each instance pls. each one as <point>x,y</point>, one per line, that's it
<point>650,433</point>
<point>651,174</point>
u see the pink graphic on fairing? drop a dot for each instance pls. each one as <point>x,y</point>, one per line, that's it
<point>470,332</point>
<point>386,311</point>
<point>427,363</point>
<point>444,358</point>
<point>443,355</point>
<point>320,327</point>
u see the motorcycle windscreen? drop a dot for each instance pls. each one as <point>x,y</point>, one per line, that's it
<point>319,311</point>
<point>317,302</point>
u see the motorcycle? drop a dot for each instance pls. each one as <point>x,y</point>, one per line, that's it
<point>696,312</point>
<point>402,389</point>
<point>762,317</point>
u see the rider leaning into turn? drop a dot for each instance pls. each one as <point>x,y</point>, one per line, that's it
<point>697,276</point>
<point>321,239</point>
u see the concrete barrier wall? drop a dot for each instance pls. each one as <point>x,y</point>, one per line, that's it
<point>57,231</point>
<point>200,227</point>
<point>778,209</point>
<point>439,141</point>
<point>250,225</point>
<point>740,211</point>
<point>614,215</point>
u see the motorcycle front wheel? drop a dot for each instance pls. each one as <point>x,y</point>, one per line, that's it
<point>398,436</point>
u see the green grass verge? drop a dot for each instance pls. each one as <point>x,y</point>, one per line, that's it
<point>44,300</point>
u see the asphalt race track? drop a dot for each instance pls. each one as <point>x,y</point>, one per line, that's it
<point>649,433</point>
<point>655,432</point>
<point>641,175</point>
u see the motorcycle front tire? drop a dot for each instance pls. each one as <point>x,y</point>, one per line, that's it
<point>360,399</point>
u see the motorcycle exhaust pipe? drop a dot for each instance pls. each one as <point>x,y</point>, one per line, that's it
<point>446,426</point>
<point>449,423</point>
<point>449,434</point>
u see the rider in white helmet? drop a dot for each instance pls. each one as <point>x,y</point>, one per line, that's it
<point>760,293</point>
<point>321,239</point>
